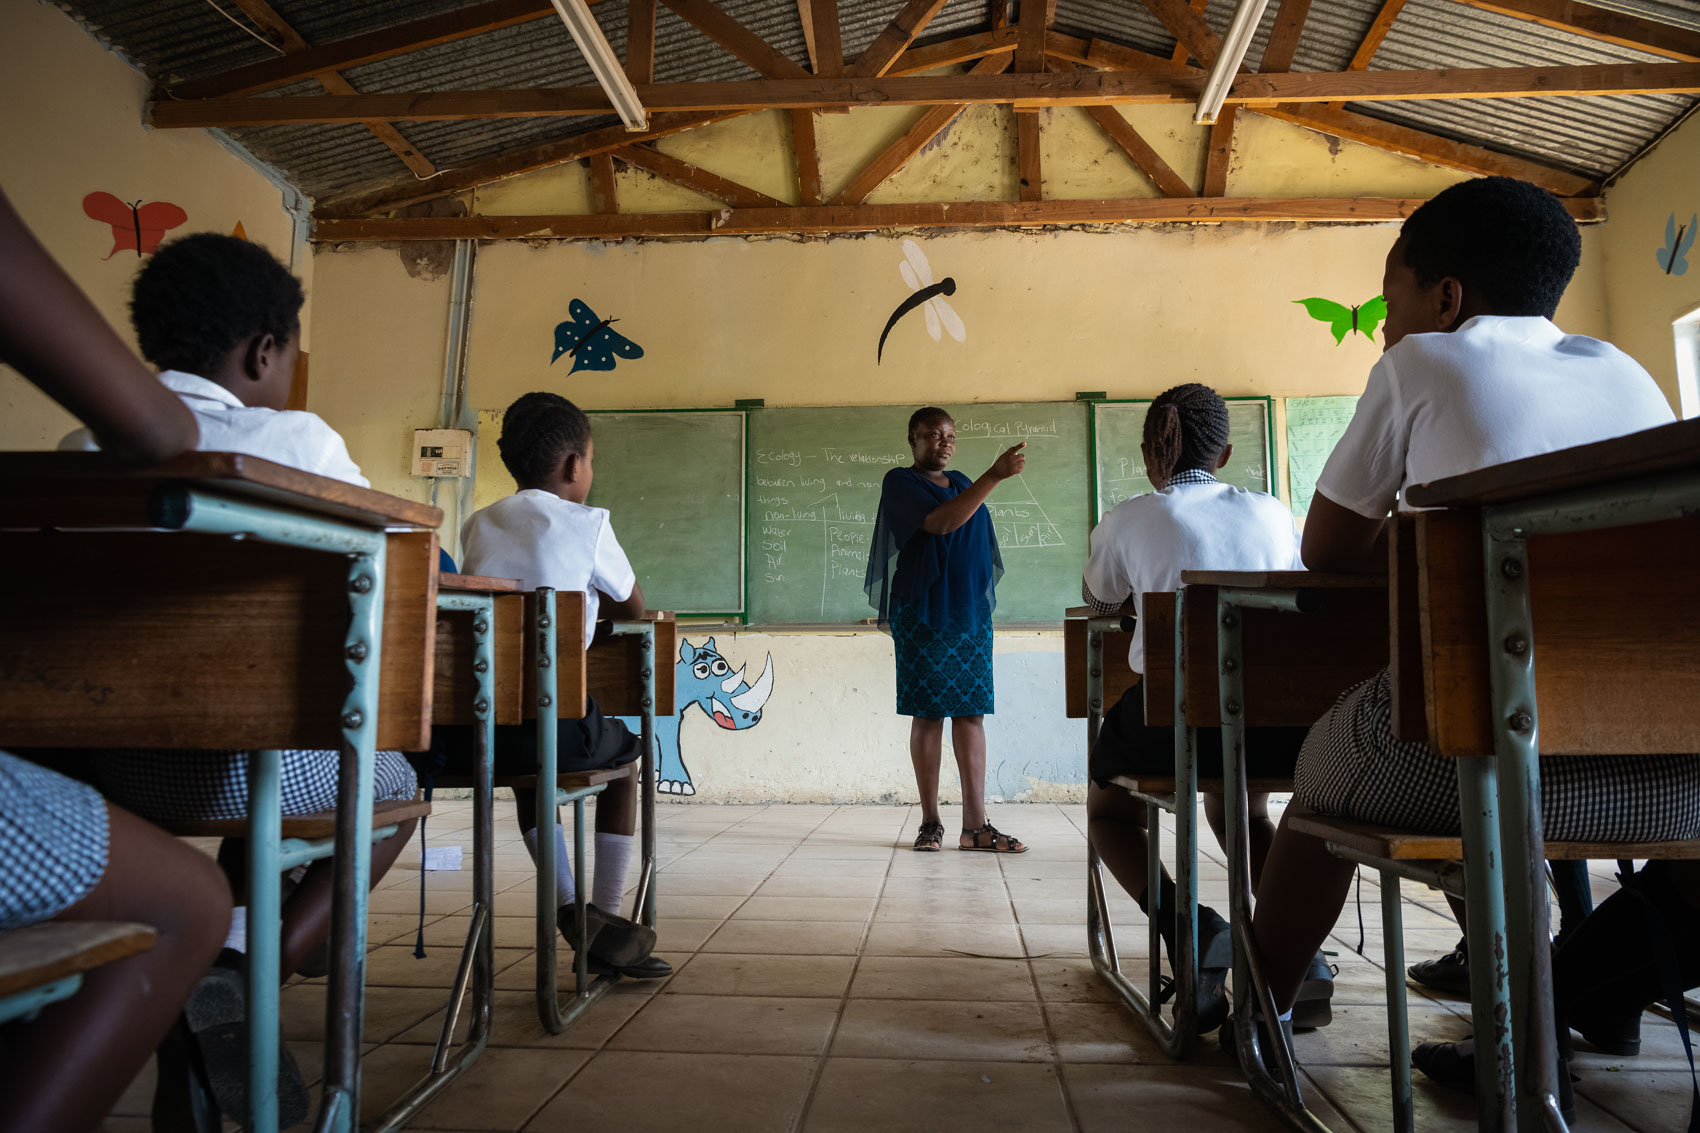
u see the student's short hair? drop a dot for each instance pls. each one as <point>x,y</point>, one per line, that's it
<point>1186,427</point>
<point>539,431</point>
<point>927,416</point>
<point>1510,241</point>
<point>199,297</point>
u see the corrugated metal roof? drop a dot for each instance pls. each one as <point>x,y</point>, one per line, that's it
<point>177,39</point>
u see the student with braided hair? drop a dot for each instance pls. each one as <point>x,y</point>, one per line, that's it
<point>1192,521</point>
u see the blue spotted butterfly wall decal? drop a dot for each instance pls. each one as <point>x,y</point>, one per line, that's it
<point>1673,257</point>
<point>1343,320</point>
<point>590,341</point>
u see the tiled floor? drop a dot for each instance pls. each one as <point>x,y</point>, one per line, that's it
<point>827,978</point>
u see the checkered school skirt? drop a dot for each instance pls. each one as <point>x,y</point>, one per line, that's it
<point>1352,767</point>
<point>166,786</point>
<point>52,842</point>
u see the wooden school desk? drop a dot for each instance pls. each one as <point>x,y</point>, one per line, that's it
<point>220,601</point>
<point>1270,668</point>
<point>1584,558</point>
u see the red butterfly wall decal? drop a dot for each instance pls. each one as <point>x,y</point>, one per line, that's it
<point>136,226</point>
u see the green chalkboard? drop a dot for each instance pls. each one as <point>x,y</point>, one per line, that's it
<point>674,483</point>
<point>1119,426</point>
<point>1314,427</point>
<point>814,490</point>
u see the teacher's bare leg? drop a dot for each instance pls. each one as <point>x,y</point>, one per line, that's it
<point>968,741</point>
<point>926,739</point>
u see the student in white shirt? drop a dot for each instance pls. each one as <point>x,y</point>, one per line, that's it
<point>221,318</point>
<point>1474,373</point>
<point>545,535</point>
<point>1191,522</point>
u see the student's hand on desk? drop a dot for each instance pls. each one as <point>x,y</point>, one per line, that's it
<point>1011,462</point>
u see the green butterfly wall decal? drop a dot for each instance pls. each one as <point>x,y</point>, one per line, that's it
<point>1343,320</point>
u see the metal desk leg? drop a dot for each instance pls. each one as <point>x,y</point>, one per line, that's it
<point>1511,675</point>
<point>477,958</point>
<point>1398,1020</point>
<point>265,927</point>
<point>345,1006</point>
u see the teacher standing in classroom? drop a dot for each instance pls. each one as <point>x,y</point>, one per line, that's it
<point>933,572</point>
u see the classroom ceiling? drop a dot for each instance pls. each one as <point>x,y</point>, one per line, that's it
<point>354,169</point>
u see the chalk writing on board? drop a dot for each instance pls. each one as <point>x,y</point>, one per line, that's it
<point>1121,468</point>
<point>1314,427</point>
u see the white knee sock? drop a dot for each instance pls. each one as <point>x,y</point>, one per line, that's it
<point>565,891</point>
<point>237,938</point>
<point>613,858</point>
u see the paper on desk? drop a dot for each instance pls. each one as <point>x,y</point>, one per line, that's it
<point>442,857</point>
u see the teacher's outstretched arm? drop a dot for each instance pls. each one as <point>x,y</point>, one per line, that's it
<point>953,513</point>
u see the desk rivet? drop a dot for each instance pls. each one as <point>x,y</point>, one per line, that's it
<point>352,720</point>
<point>1230,620</point>
<point>1517,645</point>
<point>1097,672</point>
<point>544,701</point>
<point>1230,665</point>
<point>481,626</point>
<point>645,702</point>
<point>1521,721</point>
<point>357,651</point>
<point>543,662</point>
<point>481,706</point>
<point>1232,708</point>
<point>360,583</point>
<point>646,673</point>
<point>543,622</point>
<point>481,666</point>
<point>1511,568</point>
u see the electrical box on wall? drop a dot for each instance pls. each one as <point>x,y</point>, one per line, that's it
<point>442,452</point>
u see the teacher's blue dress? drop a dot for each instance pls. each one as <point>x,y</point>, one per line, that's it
<point>936,594</point>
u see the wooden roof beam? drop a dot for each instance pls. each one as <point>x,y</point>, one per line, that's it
<point>911,20</point>
<point>981,85</point>
<point>1602,24</point>
<point>1188,28</point>
<point>368,48</point>
<point>399,193</point>
<point>640,41</point>
<point>737,40</point>
<point>333,83</point>
<point>1378,29</point>
<point>962,49</point>
<point>867,218</point>
<point>695,178</point>
<point>897,155</point>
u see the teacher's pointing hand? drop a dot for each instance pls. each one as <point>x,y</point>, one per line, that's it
<point>1011,462</point>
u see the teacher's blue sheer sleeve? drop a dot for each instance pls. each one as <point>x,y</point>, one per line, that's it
<point>905,502</point>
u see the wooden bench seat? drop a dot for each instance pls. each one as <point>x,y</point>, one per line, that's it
<point>320,824</point>
<point>567,780</point>
<point>39,954</point>
<point>1165,785</point>
<point>1403,845</point>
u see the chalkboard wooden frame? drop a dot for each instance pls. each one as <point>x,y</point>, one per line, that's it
<point>1269,476</point>
<point>739,615</point>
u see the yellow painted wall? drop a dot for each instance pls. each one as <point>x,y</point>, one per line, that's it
<point>70,120</point>
<point>1643,299</point>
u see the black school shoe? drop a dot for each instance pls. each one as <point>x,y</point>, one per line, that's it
<point>1215,960</point>
<point>616,945</point>
<point>1448,973</point>
<point>1314,1008</point>
<point>215,1018</point>
<point>1609,1032</point>
<point>1453,1065</point>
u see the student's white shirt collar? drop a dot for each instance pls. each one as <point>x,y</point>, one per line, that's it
<point>202,389</point>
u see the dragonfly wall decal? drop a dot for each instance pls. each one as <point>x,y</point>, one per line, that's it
<point>929,296</point>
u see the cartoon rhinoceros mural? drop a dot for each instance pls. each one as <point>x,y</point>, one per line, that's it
<point>704,680</point>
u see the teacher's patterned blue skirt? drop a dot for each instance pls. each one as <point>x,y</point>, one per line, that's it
<point>941,674</point>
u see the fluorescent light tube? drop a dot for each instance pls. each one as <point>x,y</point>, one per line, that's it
<point>1234,46</point>
<point>610,74</point>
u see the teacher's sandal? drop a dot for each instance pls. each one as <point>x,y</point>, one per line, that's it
<point>992,840</point>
